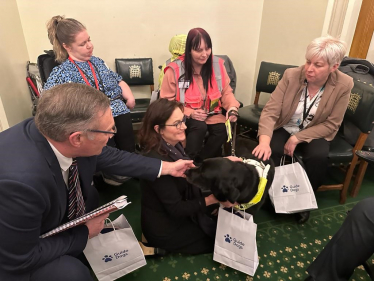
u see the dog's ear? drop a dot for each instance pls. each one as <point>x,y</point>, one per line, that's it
<point>228,190</point>
<point>194,176</point>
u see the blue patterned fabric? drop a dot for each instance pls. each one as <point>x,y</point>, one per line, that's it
<point>67,72</point>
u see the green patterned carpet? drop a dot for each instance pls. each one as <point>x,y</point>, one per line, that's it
<point>285,248</point>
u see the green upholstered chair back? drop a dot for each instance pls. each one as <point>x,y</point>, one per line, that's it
<point>269,75</point>
<point>360,109</point>
<point>360,113</point>
<point>135,71</point>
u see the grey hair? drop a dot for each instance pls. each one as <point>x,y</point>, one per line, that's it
<point>62,30</point>
<point>331,49</point>
<point>69,108</point>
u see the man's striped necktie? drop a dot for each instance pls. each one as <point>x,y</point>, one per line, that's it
<point>76,206</point>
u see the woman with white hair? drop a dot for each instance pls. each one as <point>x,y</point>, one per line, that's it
<point>306,110</point>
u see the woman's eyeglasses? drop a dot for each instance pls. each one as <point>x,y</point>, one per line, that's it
<point>178,124</point>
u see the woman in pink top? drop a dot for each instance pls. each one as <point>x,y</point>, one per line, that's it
<point>199,80</point>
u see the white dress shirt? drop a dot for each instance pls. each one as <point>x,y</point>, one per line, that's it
<point>64,162</point>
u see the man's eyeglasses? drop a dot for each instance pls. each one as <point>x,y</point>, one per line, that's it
<point>105,132</point>
<point>178,124</point>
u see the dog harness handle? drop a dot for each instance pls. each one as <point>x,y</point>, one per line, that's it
<point>231,130</point>
<point>263,173</point>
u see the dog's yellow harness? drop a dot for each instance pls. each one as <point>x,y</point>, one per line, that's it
<point>262,171</point>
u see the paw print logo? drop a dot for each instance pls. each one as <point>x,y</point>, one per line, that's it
<point>284,188</point>
<point>107,258</point>
<point>228,239</point>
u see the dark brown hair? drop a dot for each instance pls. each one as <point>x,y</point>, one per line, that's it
<point>157,114</point>
<point>60,31</point>
<point>194,38</point>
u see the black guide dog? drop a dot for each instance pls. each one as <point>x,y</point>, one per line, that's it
<point>232,181</point>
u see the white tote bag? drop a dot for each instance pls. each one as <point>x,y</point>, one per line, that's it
<point>116,253</point>
<point>235,244</point>
<point>291,191</point>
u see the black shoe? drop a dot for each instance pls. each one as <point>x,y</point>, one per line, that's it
<point>160,252</point>
<point>151,251</point>
<point>302,217</point>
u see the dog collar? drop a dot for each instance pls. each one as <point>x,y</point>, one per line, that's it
<point>262,171</point>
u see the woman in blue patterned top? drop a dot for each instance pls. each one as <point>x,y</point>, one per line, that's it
<point>73,49</point>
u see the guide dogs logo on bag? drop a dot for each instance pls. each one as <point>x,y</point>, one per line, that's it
<point>235,242</point>
<point>107,258</point>
<point>122,254</point>
<point>291,188</point>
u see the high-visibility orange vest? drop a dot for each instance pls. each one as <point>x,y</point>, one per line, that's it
<point>189,93</point>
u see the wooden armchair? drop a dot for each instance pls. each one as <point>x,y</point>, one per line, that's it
<point>360,112</point>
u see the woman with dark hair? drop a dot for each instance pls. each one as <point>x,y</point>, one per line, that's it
<point>173,211</point>
<point>73,49</point>
<point>200,82</point>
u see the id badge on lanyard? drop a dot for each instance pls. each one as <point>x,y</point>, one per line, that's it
<point>183,84</point>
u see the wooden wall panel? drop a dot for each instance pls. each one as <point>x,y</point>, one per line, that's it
<point>364,30</point>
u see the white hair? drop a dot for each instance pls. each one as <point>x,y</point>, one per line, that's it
<point>331,49</point>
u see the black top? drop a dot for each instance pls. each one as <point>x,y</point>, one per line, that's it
<point>168,203</point>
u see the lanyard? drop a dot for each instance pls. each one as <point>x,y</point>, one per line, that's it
<point>305,111</point>
<point>203,97</point>
<point>85,76</point>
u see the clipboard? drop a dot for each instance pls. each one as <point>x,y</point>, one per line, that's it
<point>115,205</point>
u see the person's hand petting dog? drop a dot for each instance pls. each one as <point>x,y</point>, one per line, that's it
<point>263,150</point>
<point>234,158</point>
<point>177,168</point>
<point>199,114</point>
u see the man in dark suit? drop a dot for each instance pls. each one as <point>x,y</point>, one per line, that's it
<point>72,125</point>
<point>349,248</point>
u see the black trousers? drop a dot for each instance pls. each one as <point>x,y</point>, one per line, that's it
<point>188,239</point>
<point>314,155</point>
<point>62,269</point>
<point>125,136</point>
<point>350,247</point>
<point>196,131</point>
